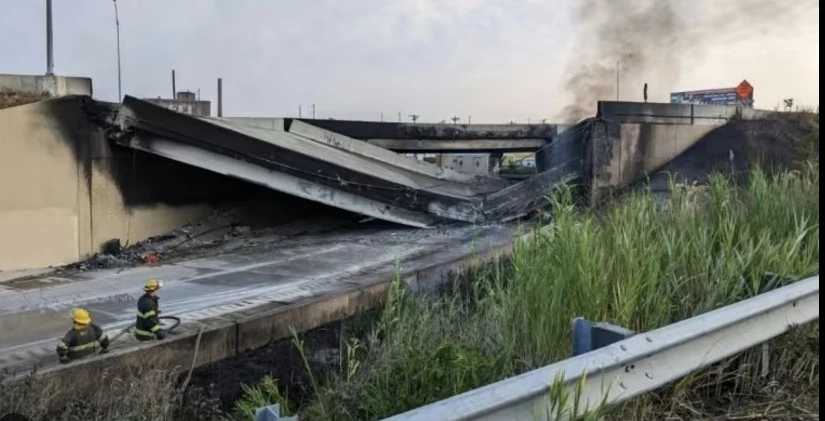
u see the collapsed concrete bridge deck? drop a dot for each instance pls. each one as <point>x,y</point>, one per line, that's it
<point>314,163</point>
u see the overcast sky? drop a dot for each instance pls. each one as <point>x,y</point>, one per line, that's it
<point>494,60</point>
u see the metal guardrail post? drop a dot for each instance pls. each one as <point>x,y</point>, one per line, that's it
<point>272,413</point>
<point>589,336</point>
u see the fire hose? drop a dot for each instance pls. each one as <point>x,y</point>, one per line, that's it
<point>175,322</point>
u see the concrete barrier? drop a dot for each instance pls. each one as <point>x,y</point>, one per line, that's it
<point>55,86</point>
<point>664,113</point>
<point>628,141</point>
<point>222,337</point>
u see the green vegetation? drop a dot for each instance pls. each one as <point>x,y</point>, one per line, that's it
<point>264,394</point>
<point>642,264</point>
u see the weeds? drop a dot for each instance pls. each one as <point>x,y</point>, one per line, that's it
<point>137,392</point>
<point>643,265</point>
<point>263,394</point>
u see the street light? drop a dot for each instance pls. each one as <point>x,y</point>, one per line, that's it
<point>49,44</point>
<point>618,64</point>
<point>117,28</point>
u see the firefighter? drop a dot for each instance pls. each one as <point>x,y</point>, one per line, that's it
<point>147,326</point>
<point>81,339</point>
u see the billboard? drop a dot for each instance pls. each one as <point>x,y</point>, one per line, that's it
<point>742,94</point>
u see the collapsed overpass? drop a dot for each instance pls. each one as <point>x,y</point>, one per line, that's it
<point>134,170</point>
<point>315,163</point>
<point>239,302</point>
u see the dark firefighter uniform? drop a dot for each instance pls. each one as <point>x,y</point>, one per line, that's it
<point>82,339</point>
<point>147,326</point>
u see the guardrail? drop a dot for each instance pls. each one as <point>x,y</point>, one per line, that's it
<point>636,365</point>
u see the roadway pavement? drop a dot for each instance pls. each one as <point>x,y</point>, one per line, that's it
<point>34,312</point>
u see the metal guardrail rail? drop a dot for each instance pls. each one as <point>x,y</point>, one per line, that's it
<point>636,365</point>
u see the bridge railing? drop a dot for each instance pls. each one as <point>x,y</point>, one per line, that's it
<point>636,365</point>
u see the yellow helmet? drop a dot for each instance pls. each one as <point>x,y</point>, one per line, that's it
<point>153,285</point>
<point>81,316</point>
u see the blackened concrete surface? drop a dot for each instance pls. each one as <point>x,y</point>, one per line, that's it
<point>460,145</point>
<point>391,130</point>
<point>244,299</point>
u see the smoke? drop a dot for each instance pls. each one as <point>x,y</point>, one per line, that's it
<point>656,41</point>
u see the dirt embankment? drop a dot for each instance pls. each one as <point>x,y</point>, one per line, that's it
<point>785,141</point>
<point>9,98</point>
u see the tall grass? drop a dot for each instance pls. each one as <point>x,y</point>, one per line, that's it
<point>643,264</point>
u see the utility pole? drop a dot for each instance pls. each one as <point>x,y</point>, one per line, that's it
<point>469,119</point>
<point>617,79</point>
<point>399,116</point>
<point>117,29</point>
<point>49,43</point>
<point>299,111</point>
<point>382,117</point>
<point>220,97</point>
<point>414,117</point>
<point>313,111</point>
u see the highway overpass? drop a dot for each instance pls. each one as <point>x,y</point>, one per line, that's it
<point>110,154</point>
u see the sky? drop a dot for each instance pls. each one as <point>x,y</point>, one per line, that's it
<point>492,61</point>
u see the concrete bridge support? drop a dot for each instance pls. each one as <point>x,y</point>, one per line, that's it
<point>629,141</point>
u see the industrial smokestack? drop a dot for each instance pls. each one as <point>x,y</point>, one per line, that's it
<point>174,91</point>
<point>220,97</point>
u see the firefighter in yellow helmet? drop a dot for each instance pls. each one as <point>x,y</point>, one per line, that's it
<point>82,339</point>
<point>147,326</point>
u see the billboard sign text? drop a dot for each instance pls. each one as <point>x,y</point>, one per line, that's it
<point>739,95</point>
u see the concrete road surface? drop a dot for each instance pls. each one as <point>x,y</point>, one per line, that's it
<point>34,313</point>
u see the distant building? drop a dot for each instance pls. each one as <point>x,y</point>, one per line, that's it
<point>471,163</point>
<point>185,102</point>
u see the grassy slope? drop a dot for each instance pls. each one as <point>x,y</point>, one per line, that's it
<point>643,265</point>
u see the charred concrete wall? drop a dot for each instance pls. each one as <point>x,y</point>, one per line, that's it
<point>65,189</point>
<point>41,214</point>
<point>629,141</point>
<point>625,153</point>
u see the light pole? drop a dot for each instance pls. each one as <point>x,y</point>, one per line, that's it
<point>117,29</point>
<point>49,44</point>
